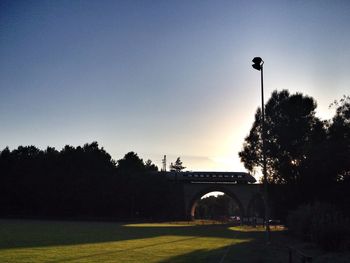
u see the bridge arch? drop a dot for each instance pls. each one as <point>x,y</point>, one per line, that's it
<point>213,188</point>
<point>243,194</point>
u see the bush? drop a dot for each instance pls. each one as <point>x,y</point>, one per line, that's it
<point>321,223</point>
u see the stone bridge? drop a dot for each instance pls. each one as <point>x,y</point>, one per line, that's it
<point>238,185</point>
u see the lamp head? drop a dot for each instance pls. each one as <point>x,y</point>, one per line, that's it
<point>258,63</point>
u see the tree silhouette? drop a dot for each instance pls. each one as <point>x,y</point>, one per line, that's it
<point>177,166</point>
<point>151,166</point>
<point>309,156</point>
<point>292,129</point>
<point>339,139</point>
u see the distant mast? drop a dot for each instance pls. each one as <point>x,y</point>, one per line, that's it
<point>164,163</point>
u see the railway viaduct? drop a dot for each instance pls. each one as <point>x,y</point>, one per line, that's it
<point>239,186</point>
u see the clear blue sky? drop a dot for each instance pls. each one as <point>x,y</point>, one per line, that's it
<point>162,77</point>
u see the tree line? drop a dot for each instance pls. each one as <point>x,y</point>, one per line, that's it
<point>308,158</point>
<point>83,182</point>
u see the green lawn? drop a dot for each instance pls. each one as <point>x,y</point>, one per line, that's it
<point>54,241</point>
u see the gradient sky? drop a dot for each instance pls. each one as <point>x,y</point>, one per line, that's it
<point>162,77</point>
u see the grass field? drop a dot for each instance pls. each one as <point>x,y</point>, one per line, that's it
<point>51,241</point>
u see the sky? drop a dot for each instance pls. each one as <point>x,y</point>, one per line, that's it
<point>163,77</point>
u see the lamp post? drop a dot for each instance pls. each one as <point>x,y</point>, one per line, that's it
<point>258,65</point>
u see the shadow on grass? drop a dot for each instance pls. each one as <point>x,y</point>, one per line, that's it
<point>29,234</point>
<point>252,252</point>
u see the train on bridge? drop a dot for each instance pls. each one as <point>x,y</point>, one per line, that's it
<point>212,177</point>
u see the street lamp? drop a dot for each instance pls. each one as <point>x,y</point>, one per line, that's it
<point>258,65</point>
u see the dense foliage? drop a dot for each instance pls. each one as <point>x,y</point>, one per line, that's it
<point>292,129</point>
<point>321,223</point>
<point>310,156</point>
<point>82,182</point>
<point>300,148</point>
<point>308,166</point>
